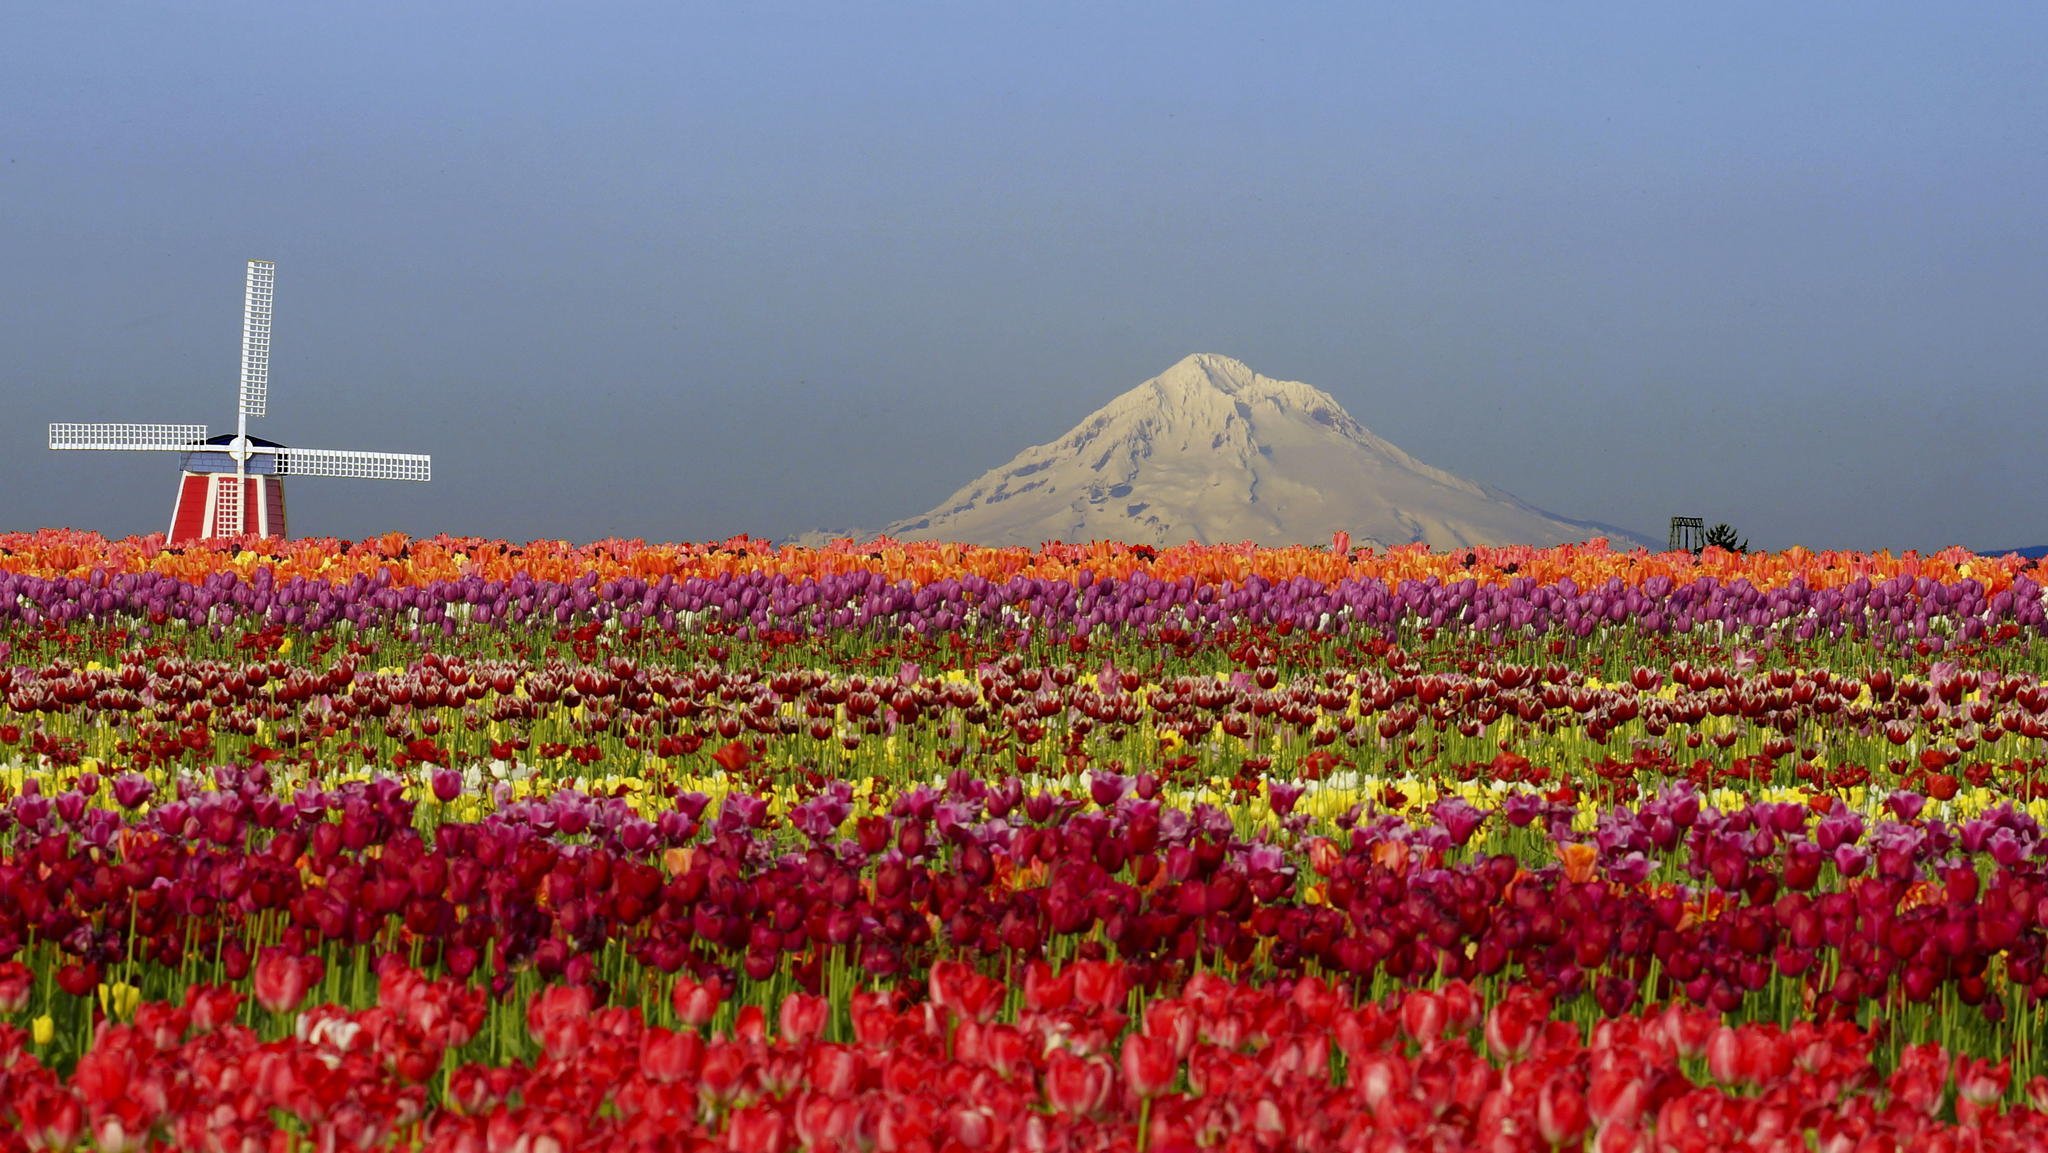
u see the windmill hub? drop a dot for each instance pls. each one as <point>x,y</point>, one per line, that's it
<point>232,485</point>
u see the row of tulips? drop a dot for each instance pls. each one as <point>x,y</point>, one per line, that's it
<point>1947,731</point>
<point>1767,910</point>
<point>407,561</point>
<point>1054,1061</point>
<point>1907,608</point>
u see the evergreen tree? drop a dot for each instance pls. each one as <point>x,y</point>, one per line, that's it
<point>1723,536</point>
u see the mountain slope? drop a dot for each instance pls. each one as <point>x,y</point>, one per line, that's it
<point>1211,451</point>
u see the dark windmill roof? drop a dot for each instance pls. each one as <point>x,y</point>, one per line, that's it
<point>208,460</point>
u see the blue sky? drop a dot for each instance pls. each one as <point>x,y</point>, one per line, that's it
<point>682,271</point>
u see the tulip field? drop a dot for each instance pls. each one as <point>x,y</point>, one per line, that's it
<point>465,845</point>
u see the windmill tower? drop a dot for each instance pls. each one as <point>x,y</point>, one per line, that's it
<point>233,485</point>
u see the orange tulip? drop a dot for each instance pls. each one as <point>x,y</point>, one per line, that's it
<point>1578,858</point>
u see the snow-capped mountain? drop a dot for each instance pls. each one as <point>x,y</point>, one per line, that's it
<point>1211,451</point>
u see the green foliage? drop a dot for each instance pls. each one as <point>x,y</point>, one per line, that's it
<point>1723,536</point>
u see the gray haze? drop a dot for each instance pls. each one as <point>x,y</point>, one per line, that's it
<point>687,271</point>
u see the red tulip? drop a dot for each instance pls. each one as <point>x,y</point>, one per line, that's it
<point>1045,992</point>
<point>668,1057</point>
<point>733,756</point>
<point>1075,1085</point>
<point>1620,1137</point>
<point>1977,1079</point>
<point>559,1018</point>
<point>283,978</point>
<point>1560,1112</point>
<point>1100,983</point>
<point>834,1070</point>
<point>725,1069</point>
<point>696,1004</point>
<point>123,1128</point>
<point>1379,1077</point>
<point>49,1118</point>
<point>973,1127</point>
<point>1618,1091</point>
<point>824,1122</point>
<point>958,989</point>
<point>1919,1081</point>
<point>1006,1050</point>
<point>211,1007</point>
<point>1175,1021</point>
<point>1514,1024</point>
<point>750,1025</point>
<point>16,983</point>
<point>802,1018</point>
<point>757,1129</point>
<point>947,981</point>
<point>1462,1008</point>
<point>1724,1056</point>
<point>1149,1064</point>
<point>103,1078</point>
<point>1424,1014</point>
<point>78,980</point>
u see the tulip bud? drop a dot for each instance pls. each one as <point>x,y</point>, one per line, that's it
<point>1149,1064</point>
<point>1560,1112</point>
<point>1980,1082</point>
<point>696,1004</point>
<point>756,1129</point>
<point>667,1057</point>
<point>49,1120</point>
<point>802,1018</point>
<point>1324,856</point>
<point>16,983</point>
<point>1512,1027</point>
<point>1075,1085</point>
<point>447,785</point>
<point>1424,1015</point>
<point>973,1126</point>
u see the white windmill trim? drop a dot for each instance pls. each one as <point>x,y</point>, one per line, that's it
<point>206,525</point>
<point>176,503</point>
<point>257,298</point>
<point>124,437</point>
<point>352,463</point>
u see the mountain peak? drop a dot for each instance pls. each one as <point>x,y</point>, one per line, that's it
<point>1209,370</point>
<point>1211,451</point>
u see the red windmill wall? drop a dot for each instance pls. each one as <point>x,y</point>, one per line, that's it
<point>273,507</point>
<point>263,506</point>
<point>188,516</point>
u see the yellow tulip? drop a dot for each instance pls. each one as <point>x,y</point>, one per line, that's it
<point>119,999</point>
<point>42,1030</point>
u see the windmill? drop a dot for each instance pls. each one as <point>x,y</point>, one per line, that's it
<point>233,485</point>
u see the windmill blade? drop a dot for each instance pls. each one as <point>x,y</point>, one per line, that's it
<point>128,437</point>
<point>256,337</point>
<point>360,465</point>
